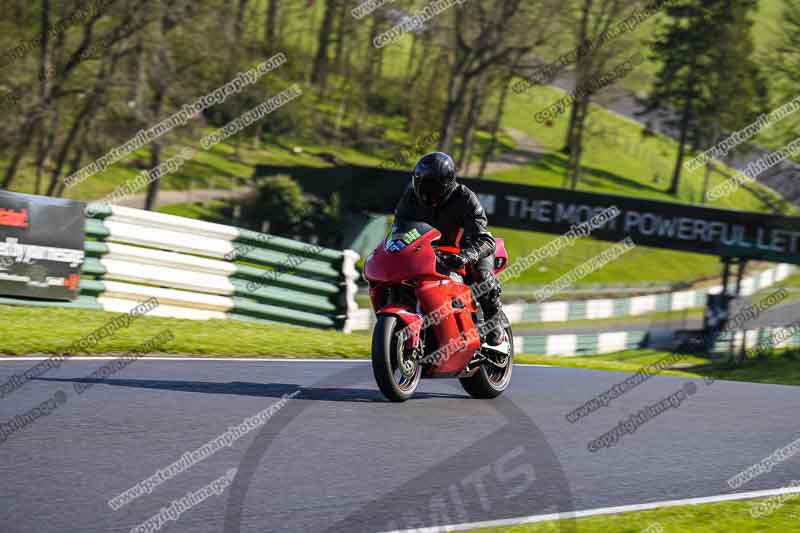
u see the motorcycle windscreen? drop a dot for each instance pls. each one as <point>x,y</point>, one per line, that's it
<point>405,254</point>
<point>405,233</point>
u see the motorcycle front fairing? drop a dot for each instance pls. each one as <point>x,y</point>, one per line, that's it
<point>406,254</point>
<point>408,257</point>
<point>449,307</point>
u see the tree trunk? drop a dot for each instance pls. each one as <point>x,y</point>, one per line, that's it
<point>85,115</point>
<point>22,147</point>
<point>686,118</point>
<point>580,74</point>
<point>160,87</point>
<point>319,72</point>
<point>573,114</point>
<point>273,16</point>
<point>239,25</point>
<point>45,142</point>
<point>139,80</point>
<point>456,94</point>
<point>709,168</point>
<point>342,25</point>
<point>156,149</point>
<point>576,143</point>
<point>498,117</point>
<point>473,116</point>
<point>421,59</point>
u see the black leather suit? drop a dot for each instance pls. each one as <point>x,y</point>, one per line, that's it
<point>462,221</point>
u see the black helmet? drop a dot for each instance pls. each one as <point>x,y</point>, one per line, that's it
<point>434,178</point>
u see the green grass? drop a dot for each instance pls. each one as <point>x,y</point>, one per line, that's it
<point>781,368</point>
<point>642,171</point>
<point>709,518</point>
<point>26,330</point>
<point>630,361</point>
<point>216,168</point>
<point>639,265</point>
<point>196,210</point>
<point>641,167</point>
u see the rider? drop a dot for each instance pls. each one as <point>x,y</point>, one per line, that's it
<point>436,198</point>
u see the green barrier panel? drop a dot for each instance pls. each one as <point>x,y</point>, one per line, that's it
<point>93,267</point>
<point>95,248</point>
<point>92,287</point>
<point>586,344</point>
<point>308,294</point>
<point>622,307</point>
<point>291,263</point>
<point>636,339</point>
<point>663,302</point>
<point>98,210</point>
<point>536,345</point>
<point>280,296</point>
<point>289,281</point>
<point>96,228</point>
<point>576,310</point>
<point>263,240</point>
<point>281,314</point>
<point>311,266</point>
<point>531,313</point>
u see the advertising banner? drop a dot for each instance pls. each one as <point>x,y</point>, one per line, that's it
<point>675,226</point>
<point>41,246</point>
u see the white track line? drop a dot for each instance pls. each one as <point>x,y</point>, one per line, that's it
<point>233,359</point>
<point>604,511</point>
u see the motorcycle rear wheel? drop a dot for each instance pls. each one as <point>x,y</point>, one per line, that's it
<point>387,349</point>
<point>490,381</point>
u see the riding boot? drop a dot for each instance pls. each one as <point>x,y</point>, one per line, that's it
<point>488,292</point>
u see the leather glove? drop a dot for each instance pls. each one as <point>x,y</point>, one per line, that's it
<point>454,261</point>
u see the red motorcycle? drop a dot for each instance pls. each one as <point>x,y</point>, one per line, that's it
<point>428,320</point>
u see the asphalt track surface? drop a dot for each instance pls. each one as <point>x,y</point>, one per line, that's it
<point>338,457</point>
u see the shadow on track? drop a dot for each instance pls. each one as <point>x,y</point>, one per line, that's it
<point>267,390</point>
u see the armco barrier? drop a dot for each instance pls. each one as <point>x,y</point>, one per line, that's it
<point>200,270</point>
<point>565,311</point>
<point>735,341</point>
<point>639,305</point>
<point>570,345</point>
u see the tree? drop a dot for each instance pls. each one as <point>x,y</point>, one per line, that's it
<point>705,62</point>
<point>596,18</point>
<point>786,63</point>
<point>783,68</point>
<point>487,35</point>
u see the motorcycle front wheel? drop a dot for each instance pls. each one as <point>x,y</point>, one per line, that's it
<point>491,380</point>
<point>396,372</point>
